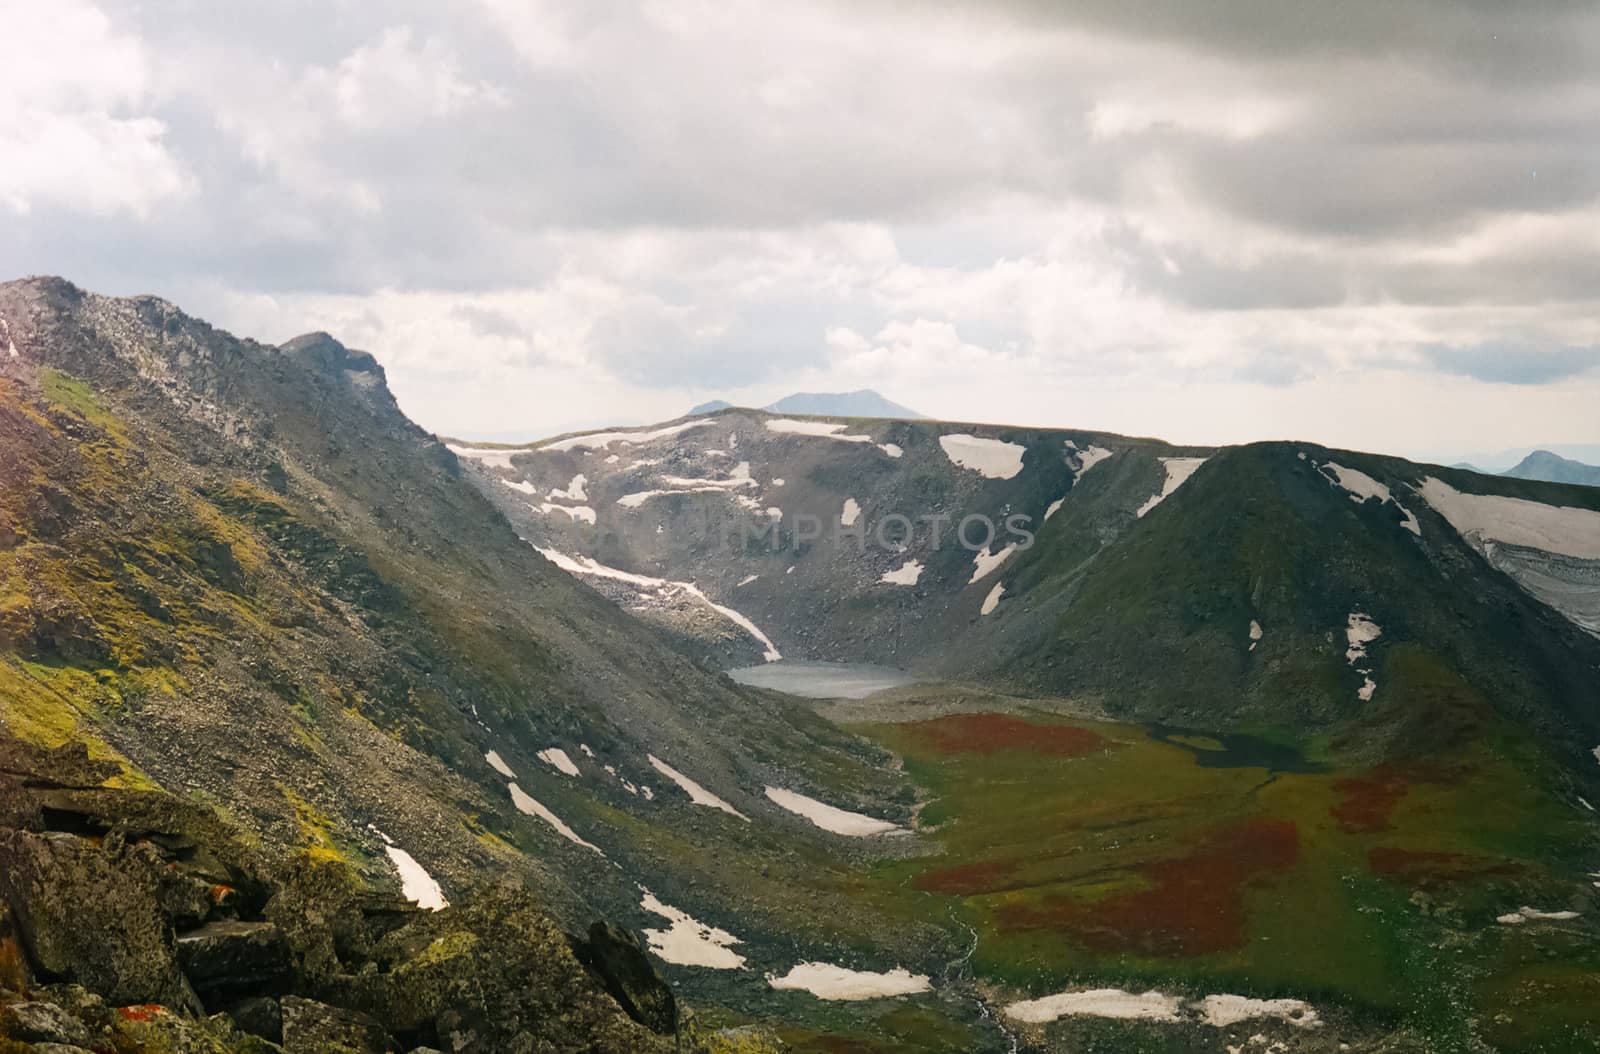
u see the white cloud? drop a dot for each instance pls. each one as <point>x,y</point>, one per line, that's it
<point>73,132</point>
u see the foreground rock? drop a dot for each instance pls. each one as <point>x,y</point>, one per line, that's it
<point>171,936</point>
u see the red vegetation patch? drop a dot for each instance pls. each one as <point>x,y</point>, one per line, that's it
<point>1431,870</point>
<point>967,880</point>
<point>221,893</point>
<point>147,1012</point>
<point>1368,801</point>
<point>1195,903</point>
<point>987,733</point>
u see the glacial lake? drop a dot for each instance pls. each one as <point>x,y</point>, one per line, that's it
<point>822,680</point>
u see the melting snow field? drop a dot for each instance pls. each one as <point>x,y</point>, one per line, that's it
<point>690,942</point>
<point>1218,1011</point>
<point>904,575</point>
<point>1517,918</point>
<point>1089,458</point>
<point>697,794</point>
<point>1363,487</point>
<point>1097,1002</point>
<point>572,512</point>
<point>892,449</point>
<point>488,456</point>
<point>1516,521</point>
<point>583,565</point>
<point>497,763</point>
<point>837,821</point>
<point>528,806</point>
<point>1360,631</point>
<point>837,983</point>
<point>1255,634</point>
<point>850,514</point>
<point>416,885</point>
<point>1179,469</point>
<point>601,440</point>
<point>821,429</point>
<point>557,759</point>
<point>984,561</point>
<point>992,458</point>
<point>575,490</point>
<point>992,601</point>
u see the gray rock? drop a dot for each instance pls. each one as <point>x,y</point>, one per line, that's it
<point>310,1027</point>
<point>42,1023</point>
<point>92,915</point>
<point>229,960</point>
<point>258,1016</point>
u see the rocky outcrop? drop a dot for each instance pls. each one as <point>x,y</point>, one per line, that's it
<point>163,933</point>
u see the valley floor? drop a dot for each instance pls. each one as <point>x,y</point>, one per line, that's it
<point>1126,887</point>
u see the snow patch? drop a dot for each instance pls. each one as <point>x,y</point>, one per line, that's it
<point>837,983</point>
<point>1559,529</point>
<point>1221,1011</point>
<point>575,489</point>
<point>528,806</point>
<point>992,601</point>
<point>697,794</point>
<point>487,456</point>
<point>1179,469</point>
<point>892,449</point>
<point>904,575</point>
<point>983,561</point>
<point>1097,1002</point>
<point>573,512</point>
<point>602,440</point>
<point>827,817</point>
<point>1055,507</point>
<point>1088,459</point>
<point>498,763</point>
<point>1527,914</point>
<point>851,513</point>
<point>991,458</point>
<point>821,429</point>
<point>557,759</point>
<point>1359,631</point>
<point>1255,634</point>
<point>583,565</point>
<point>689,942</point>
<point>1363,487</point>
<point>521,487</point>
<point>416,885</point>
<point>746,580</point>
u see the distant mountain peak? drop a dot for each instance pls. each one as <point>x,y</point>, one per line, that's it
<point>861,403</point>
<point>1553,468</point>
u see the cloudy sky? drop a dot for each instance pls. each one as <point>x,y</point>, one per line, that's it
<point>1373,223</point>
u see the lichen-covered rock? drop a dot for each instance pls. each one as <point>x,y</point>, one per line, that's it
<point>617,958</point>
<point>41,1022</point>
<point>259,1016</point>
<point>230,960</point>
<point>497,975</point>
<point>310,1027</point>
<point>92,915</point>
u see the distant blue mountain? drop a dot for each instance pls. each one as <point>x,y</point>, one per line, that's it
<point>864,403</point>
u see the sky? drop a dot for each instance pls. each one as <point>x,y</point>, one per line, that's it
<point>1372,224</point>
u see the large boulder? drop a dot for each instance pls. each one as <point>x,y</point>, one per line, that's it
<point>229,960</point>
<point>310,1027</point>
<point>617,959</point>
<point>92,914</point>
<point>497,975</point>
